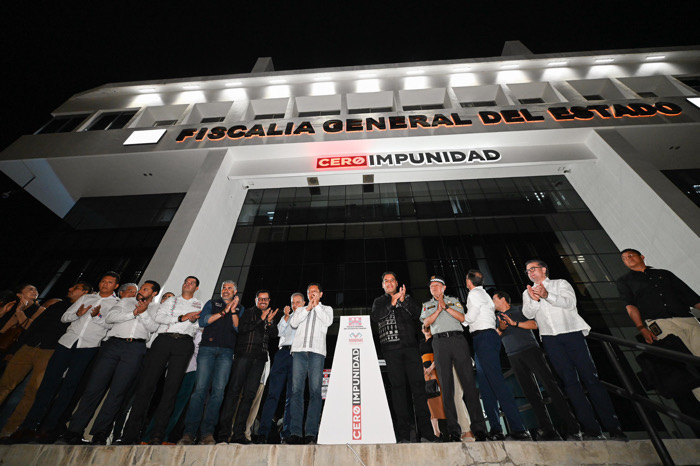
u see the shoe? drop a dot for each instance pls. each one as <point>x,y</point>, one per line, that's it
<point>259,439</point>
<point>206,440</point>
<point>618,435</point>
<point>496,435</point>
<point>403,440</point>
<point>99,439</point>
<point>430,439</point>
<point>70,438</point>
<point>185,440</point>
<point>480,436</point>
<point>593,437</point>
<point>294,440</point>
<point>454,438</point>
<point>123,442</point>
<point>155,441</point>
<point>522,435</point>
<point>241,439</point>
<point>549,436</point>
<point>22,436</point>
<point>310,440</point>
<point>575,437</point>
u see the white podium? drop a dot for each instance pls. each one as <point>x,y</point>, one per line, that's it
<point>356,409</point>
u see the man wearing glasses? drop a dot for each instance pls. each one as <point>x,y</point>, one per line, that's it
<point>254,331</point>
<point>552,304</point>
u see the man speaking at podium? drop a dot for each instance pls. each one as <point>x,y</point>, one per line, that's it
<point>397,315</point>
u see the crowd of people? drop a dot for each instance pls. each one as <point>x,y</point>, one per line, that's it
<point>127,368</point>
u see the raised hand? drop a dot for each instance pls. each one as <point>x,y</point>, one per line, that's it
<point>96,310</point>
<point>272,315</point>
<point>541,291</point>
<point>82,310</point>
<point>141,307</point>
<point>533,295</point>
<point>287,312</point>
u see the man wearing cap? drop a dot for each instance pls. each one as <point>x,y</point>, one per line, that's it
<point>445,314</point>
<point>397,315</point>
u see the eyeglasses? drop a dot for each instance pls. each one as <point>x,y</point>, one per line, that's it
<point>263,299</point>
<point>532,269</point>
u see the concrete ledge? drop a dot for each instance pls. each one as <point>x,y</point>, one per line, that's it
<point>505,453</point>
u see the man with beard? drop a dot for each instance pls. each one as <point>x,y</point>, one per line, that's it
<point>397,316</point>
<point>254,331</point>
<point>116,366</point>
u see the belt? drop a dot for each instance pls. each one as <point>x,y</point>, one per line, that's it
<point>288,347</point>
<point>176,335</point>
<point>130,340</point>
<point>476,332</point>
<point>452,333</point>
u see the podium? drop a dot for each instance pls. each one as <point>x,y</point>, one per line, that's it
<point>356,409</point>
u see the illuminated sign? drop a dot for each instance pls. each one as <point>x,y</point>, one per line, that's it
<point>350,162</point>
<point>356,396</point>
<point>429,122</point>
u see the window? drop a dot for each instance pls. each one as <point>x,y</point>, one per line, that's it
<point>532,100</point>
<point>691,81</point>
<point>355,111</point>
<point>319,113</point>
<point>164,123</point>
<point>62,124</point>
<point>269,116</point>
<point>112,120</point>
<point>213,119</point>
<point>593,97</point>
<point>481,103</point>
<point>408,108</point>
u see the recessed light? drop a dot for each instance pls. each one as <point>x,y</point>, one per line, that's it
<point>190,86</point>
<point>278,81</point>
<point>461,69</point>
<point>415,72</point>
<point>604,60</point>
<point>232,84</point>
<point>322,78</point>
<point>508,66</point>
<point>368,75</point>
<point>558,63</point>
<point>147,89</point>
<point>656,57</point>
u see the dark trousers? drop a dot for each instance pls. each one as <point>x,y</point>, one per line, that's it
<point>166,351</point>
<point>280,379</point>
<point>492,385</point>
<point>245,378</point>
<point>116,366</point>
<point>571,359</point>
<point>405,365</point>
<point>57,388</point>
<point>529,367</point>
<point>450,351</point>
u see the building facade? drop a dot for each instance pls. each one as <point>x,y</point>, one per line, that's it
<point>276,179</point>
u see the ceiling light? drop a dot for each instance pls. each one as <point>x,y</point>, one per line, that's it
<point>368,75</point>
<point>604,60</point>
<point>190,86</point>
<point>278,81</point>
<point>232,84</point>
<point>415,72</point>
<point>322,78</point>
<point>461,69</point>
<point>512,65</point>
<point>148,89</point>
<point>558,63</point>
<point>656,57</point>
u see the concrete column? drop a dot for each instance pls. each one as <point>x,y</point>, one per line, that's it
<point>639,207</point>
<point>199,235</point>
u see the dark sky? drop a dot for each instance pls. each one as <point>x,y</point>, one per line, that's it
<point>52,50</point>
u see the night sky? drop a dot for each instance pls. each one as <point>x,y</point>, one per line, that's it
<point>52,50</point>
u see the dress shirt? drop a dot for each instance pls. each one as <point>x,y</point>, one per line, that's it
<point>88,331</point>
<point>312,327</point>
<point>444,322</point>
<point>657,293</point>
<point>126,324</point>
<point>557,314</point>
<point>169,312</point>
<point>285,331</point>
<point>481,313</point>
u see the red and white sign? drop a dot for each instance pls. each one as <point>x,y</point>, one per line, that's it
<point>338,163</point>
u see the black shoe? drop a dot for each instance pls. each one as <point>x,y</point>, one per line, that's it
<point>430,439</point>
<point>70,438</point>
<point>99,439</point>
<point>259,439</point>
<point>123,442</point>
<point>454,438</point>
<point>549,436</point>
<point>241,439</point>
<point>294,440</point>
<point>403,440</point>
<point>496,435</point>
<point>618,435</point>
<point>310,440</point>
<point>522,435</point>
<point>480,436</point>
<point>575,437</point>
<point>593,437</point>
<point>156,441</point>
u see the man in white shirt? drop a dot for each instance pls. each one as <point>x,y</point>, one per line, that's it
<point>308,356</point>
<point>73,354</point>
<point>172,349</point>
<point>117,364</point>
<point>552,304</point>
<point>280,374</point>
<point>481,319</point>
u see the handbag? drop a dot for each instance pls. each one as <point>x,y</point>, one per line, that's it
<point>432,389</point>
